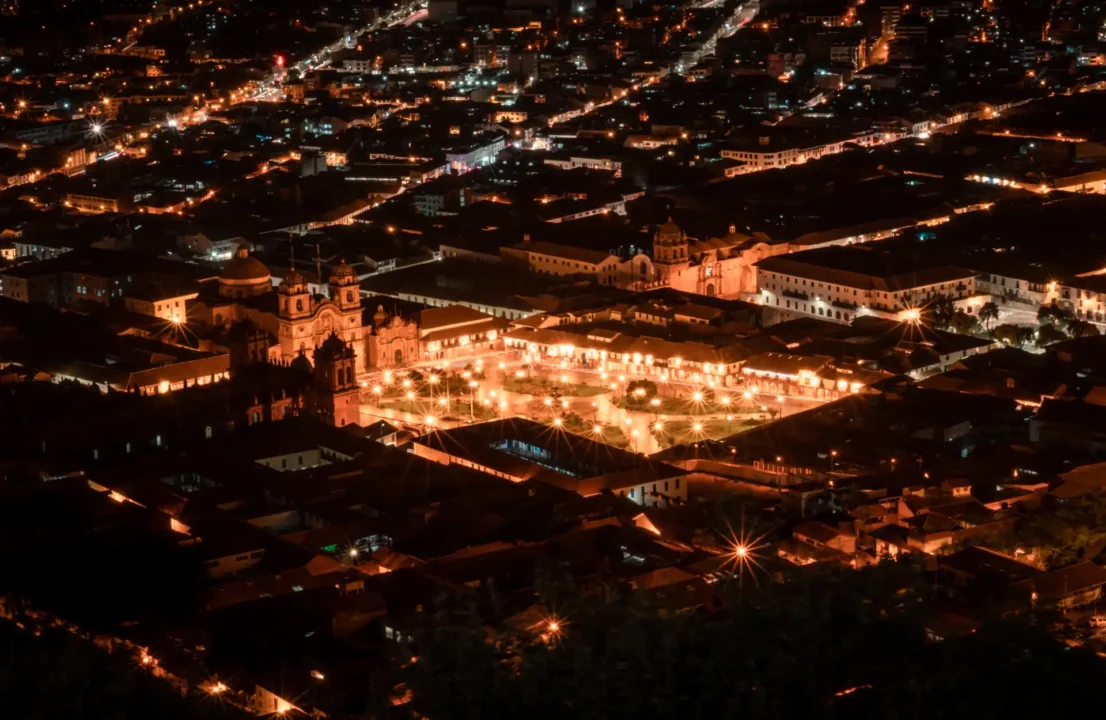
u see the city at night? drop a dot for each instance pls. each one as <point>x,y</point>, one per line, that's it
<point>566,359</point>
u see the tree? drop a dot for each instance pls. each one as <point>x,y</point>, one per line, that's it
<point>1053,314</point>
<point>1062,535</point>
<point>963,323</point>
<point>1081,328</point>
<point>1048,334</point>
<point>1013,335</point>
<point>641,391</point>
<point>988,314</point>
<point>940,311</point>
<point>813,647</point>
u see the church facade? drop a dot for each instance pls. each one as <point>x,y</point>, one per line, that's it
<point>717,267</point>
<point>297,321</point>
<point>438,334</point>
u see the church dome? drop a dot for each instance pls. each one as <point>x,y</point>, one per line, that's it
<point>293,278</point>
<point>301,363</point>
<point>670,231</point>
<point>244,276</point>
<point>342,271</point>
<point>242,267</point>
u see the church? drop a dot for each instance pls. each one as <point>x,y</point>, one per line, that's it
<point>296,321</point>
<point>716,267</point>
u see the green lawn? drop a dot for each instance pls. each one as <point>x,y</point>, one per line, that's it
<point>611,435</point>
<point>682,432</point>
<point>541,387</point>
<point>458,408</point>
<point>685,406</point>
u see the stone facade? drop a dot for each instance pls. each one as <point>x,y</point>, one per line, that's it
<point>296,320</point>
<point>392,341</point>
<point>717,267</point>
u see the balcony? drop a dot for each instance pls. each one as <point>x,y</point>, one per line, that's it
<point>845,305</point>
<point>796,295</point>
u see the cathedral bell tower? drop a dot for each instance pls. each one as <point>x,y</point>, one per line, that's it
<point>344,288</point>
<point>336,392</point>
<point>669,244</point>
<point>295,298</point>
<point>669,253</point>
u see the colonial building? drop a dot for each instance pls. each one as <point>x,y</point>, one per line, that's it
<point>718,267</point>
<point>336,394</point>
<point>840,284</point>
<point>297,320</point>
<point>446,333</point>
<point>604,268</point>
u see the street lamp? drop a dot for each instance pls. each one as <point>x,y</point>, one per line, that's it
<point>376,391</point>
<point>833,456</point>
<point>472,397</point>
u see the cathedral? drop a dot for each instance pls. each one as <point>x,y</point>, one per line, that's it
<point>717,267</point>
<point>296,321</point>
